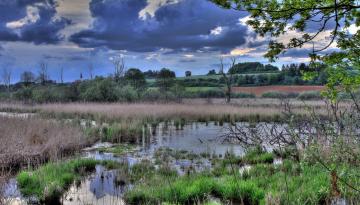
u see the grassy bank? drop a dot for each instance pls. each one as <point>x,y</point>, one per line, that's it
<point>48,182</point>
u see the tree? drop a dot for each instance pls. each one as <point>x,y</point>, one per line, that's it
<point>6,77</point>
<point>27,77</point>
<point>43,73</point>
<point>151,73</point>
<point>61,75</point>
<point>274,17</point>
<point>188,73</point>
<point>135,78</point>
<point>212,72</point>
<point>91,70</point>
<point>178,90</point>
<point>119,67</point>
<point>165,79</point>
<point>227,78</point>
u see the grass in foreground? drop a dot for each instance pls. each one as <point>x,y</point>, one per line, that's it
<point>50,181</point>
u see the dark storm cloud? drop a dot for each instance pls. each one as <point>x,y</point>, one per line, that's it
<point>43,31</point>
<point>184,26</point>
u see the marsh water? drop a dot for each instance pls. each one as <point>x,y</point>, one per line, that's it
<point>104,186</point>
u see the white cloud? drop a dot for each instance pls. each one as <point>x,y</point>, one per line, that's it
<point>240,51</point>
<point>188,55</point>
<point>216,31</point>
<point>32,16</point>
<point>352,29</point>
<point>242,21</point>
<point>78,12</point>
<point>153,6</point>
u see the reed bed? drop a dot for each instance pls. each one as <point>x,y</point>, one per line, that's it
<point>31,141</point>
<point>246,110</point>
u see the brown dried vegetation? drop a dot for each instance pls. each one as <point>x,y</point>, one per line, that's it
<point>31,141</point>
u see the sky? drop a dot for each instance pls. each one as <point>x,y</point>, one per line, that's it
<point>149,34</point>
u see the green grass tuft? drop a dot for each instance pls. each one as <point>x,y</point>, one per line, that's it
<point>50,181</point>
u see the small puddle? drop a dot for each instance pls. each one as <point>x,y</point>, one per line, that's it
<point>103,187</point>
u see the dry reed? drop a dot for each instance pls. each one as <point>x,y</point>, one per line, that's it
<point>31,141</point>
<point>192,110</point>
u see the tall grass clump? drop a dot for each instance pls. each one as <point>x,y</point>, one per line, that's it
<point>196,189</point>
<point>50,181</point>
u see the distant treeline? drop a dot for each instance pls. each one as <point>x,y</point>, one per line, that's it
<point>133,84</point>
<point>257,74</point>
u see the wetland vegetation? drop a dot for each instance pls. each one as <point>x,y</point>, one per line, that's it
<point>246,134</point>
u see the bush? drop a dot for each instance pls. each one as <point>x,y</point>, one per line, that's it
<point>126,94</point>
<point>243,95</point>
<point>99,90</point>
<point>24,94</point>
<point>276,94</point>
<point>152,95</point>
<point>310,95</point>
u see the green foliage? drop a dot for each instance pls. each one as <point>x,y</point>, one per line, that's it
<point>257,156</point>
<point>127,93</point>
<point>344,67</point>
<point>135,78</point>
<point>165,79</point>
<point>25,94</point>
<point>211,72</point>
<point>269,17</point>
<point>252,67</point>
<point>102,89</point>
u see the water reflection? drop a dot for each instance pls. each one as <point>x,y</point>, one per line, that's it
<point>100,188</point>
<point>193,137</point>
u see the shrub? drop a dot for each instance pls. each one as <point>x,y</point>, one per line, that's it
<point>152,95</point>
<point>126,94</point>
<point>243,95</point>
<point>310,95</point>
<point>276,94</point>
<point>273,94</point>
<point>24,94</point>
<point>98,90</point>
